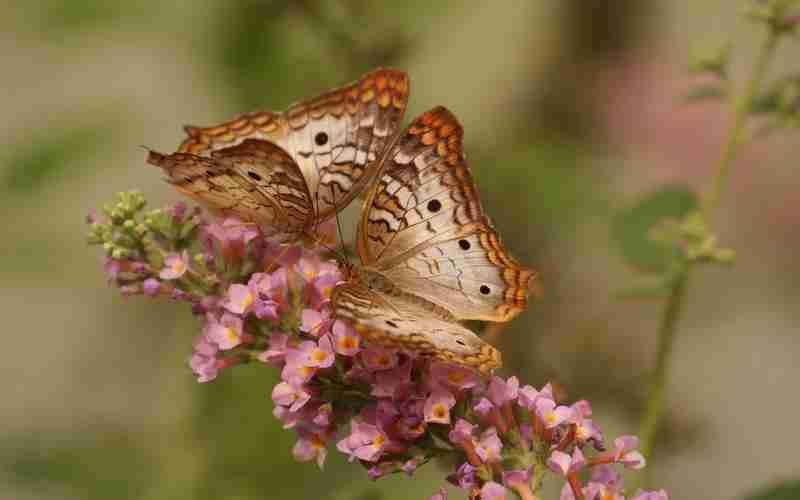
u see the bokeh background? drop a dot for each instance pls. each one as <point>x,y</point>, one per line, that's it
<point>572,111</point>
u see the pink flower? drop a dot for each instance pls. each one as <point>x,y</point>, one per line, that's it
<point>297,370</point>
<point>204,359</point>
<point>365,442</point>
<point>309,447</point>
<point>493,491</point>
<point>320,354</point>
<point>563,464</point>
<point>346,341</point>
<point>462,432</point>
<point>231,236</point>
<point>378,358</point>
<point>464,477</point>
<point>626,454</point>
<point>528,396</point>
<point>276,353</point>
<point>239,299</point>
<point>484,407</point>
<point>151,287</point>
<point>314,322</point>
<point>290,396</point>
<point>391,383</point>
<point>270,293</point>
<point>455,376</point>
<point>437,407</point>
<point>489,446</point>
<point>550,414</point>
<point>225,332</point>
<point>517,478</point>
<point>502,391</point>
<point>175,266</point>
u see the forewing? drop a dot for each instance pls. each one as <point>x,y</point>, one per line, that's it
<point>255,181</point>
<point>400,323</point>
<point>337,138</point>
<point>424,229</point>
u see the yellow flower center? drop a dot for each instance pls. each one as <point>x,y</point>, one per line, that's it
<point>248,299</point>
<point>178,266</point>
<point>348,343</point>
<point>379,441</point>
<point>550,418</point>
<point>440,411</point>
<point>319,355</point>
<point>230,334</point>
<point>456,378</point>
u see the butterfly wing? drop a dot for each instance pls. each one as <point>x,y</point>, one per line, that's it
<point>255,181</point>
<point>337,138</point>
<point>403,324</point>
<point>424,229</point>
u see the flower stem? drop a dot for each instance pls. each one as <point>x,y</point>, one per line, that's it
<point>742,105</point>
<point>666,336</point>
<point>741,110</point>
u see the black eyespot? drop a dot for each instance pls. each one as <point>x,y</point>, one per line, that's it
<point>485,290</point>
<point>464,244</point>
<point>321,138</point>
<point>460,342</point>
<point>390,323</point>
<point>209,173</point>
<point>434,205</point>
<point>254,176</point>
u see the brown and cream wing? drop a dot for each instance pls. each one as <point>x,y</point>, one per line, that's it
<point>398,322</point>
<point>255,181</point>
<point>424,229</point>
<point>337,138</point>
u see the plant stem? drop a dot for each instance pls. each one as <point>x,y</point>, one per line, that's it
<point>741,110</point>
<point>672,311</point>
<point>666,336</point>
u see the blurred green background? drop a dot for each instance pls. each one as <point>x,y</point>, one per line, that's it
<point>572,112</point>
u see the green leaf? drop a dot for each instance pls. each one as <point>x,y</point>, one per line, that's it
<point>633,228</point>
<point>788,490</point>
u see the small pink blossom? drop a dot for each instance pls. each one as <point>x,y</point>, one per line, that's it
<point>346,340</point>
<point>502,391</point>
<point>151,287</point>
<point>378,358</point>
<point>489,446</point>
<point>528,396</point>
<point>437,407</point>
<point>626,454</point>
<point>276,353</point>
<point>563,464</point>
<point>493,491</point>
<point>455,376</point>
<point>204,359</point>
<point>175,266</point>
<point>309,447</point>
<point>225,332</point>
<point>365,442</point>
<point>462,432</point>
<point>550,414</point>
<point>290,396</point>
<point>239,299</point>
<point>314,322</point>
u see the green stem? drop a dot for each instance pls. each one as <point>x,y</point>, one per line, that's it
<point>672,311</point>
<point>741,111</point>
<point>666,336</point>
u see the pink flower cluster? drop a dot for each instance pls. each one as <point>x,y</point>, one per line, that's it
<point>389,410</point>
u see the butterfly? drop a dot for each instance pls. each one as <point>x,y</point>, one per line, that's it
<point>430,256</point>
<point>287,172</point>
